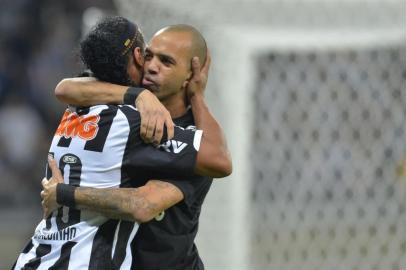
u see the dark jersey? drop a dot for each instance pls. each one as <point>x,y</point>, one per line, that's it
<point>100,147</point>
<point>167,242</point>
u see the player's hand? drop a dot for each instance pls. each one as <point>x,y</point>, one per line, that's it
<point>48,193</point>
<point>197,84</point>
<point>154,117</point>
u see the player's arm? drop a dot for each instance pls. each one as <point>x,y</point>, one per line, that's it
<point>214,157</point>
<point>134,204</point>
<point>87,91</point>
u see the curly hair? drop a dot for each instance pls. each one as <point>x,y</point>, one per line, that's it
<point>106,49</point>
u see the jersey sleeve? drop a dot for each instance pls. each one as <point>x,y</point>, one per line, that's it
<point>192,189</point>
<point>173,158</point>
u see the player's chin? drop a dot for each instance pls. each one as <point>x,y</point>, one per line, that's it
<point>152,87</point>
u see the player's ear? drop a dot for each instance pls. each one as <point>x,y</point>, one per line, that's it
<point>138,57</point>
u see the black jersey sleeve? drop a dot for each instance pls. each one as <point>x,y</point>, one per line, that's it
<point>193,189</point>
<point>174,158</point>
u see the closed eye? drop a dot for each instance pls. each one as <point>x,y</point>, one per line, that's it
<point>148,56</point>
<point>167,60</point>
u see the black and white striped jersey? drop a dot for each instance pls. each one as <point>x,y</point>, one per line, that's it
<point>101,147</point>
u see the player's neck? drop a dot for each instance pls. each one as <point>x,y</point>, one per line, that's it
<point>176,104</point>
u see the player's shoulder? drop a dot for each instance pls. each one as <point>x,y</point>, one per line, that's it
<point>117,113</point>
<point>95,109</point>
<point>127,110</point>
<point>130,112</point>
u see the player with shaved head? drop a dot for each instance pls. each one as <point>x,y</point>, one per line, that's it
<point>170,208</point>
<point>103,204</point>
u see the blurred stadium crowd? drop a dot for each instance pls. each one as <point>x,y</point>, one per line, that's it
<point>38,41</point>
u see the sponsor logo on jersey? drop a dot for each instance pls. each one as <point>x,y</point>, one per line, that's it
<point>173,146</point>
<point>83,126</point>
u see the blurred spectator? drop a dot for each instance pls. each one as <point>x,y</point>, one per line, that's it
<point>38,40</point>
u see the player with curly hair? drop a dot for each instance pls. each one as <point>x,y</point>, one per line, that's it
<point>99,148</point>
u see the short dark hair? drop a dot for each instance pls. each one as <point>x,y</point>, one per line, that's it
<point>107,47</point>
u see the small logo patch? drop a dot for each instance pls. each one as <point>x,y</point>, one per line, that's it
<point>70,159</point>
<point>173,146</point>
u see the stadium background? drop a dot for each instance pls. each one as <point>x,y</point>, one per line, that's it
<point>309,92</point>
